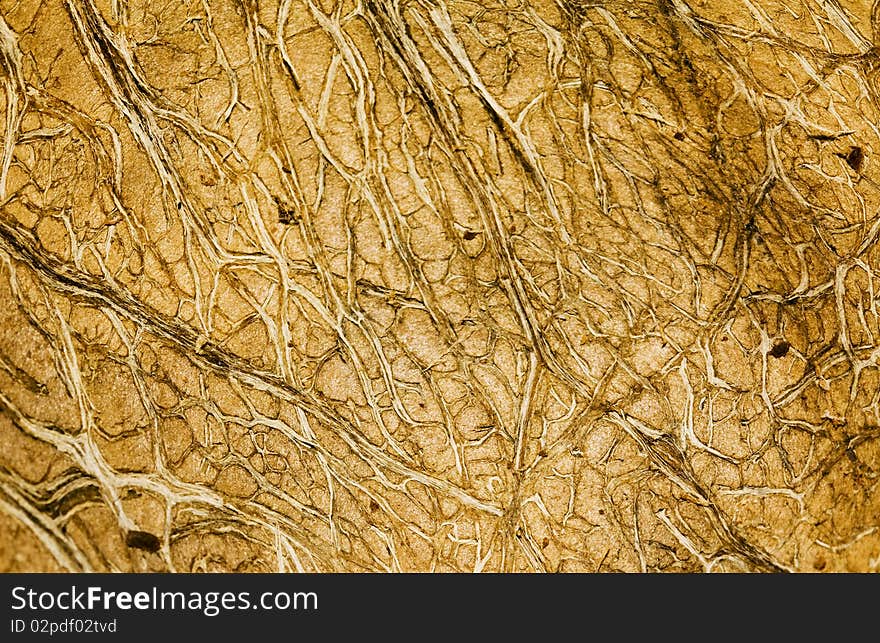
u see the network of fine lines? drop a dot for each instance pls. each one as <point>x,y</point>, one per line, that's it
<point>551,285</point>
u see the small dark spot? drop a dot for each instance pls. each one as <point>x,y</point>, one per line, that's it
<point>142,540</point>
<point>374,506</point>
<point>854,158</point>
<point>470,235</point>
<point>819,564</point>
<point>678,136</point>
<point>780,349</point>
<point>287,216</point>
<point>542,453</point>
<point>715,151</point>
<point>601,512</point>
<point>545,542</point>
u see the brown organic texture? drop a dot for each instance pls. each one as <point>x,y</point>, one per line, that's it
<point>440,285</point>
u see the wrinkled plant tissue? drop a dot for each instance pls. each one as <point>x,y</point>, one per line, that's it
<point>513,285</point>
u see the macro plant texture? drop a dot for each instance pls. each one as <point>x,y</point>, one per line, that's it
<point>439,285</point>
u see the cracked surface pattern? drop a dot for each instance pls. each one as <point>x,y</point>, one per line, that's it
<point>405,285</point>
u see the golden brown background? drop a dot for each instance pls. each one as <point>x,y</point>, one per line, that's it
<point>439,286</point>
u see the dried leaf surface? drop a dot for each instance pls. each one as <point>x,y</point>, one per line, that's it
<point>320,285</point>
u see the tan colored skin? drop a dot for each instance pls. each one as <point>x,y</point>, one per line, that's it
<point>439,286</point>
